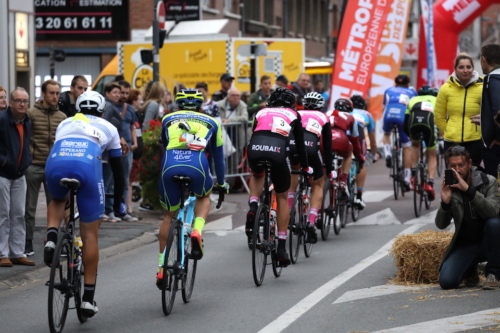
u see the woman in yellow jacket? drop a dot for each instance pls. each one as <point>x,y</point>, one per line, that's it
<point>458,100</point>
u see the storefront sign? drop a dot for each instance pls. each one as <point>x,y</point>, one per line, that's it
<point>183,10</point>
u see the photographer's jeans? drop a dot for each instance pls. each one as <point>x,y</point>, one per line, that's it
<point>464,258</point>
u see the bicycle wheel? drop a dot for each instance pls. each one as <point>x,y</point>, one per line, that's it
<point>326,210</point>
<point>395,173</point>
<point>190,265</point>
<point>337,223</point>
<point>423,180</point>
<point>353,191</point>
<point>294,231</point>
<point>342,206</point>
<point>170,264</point>
<point>259,248</point>
<point>439,161</point>
<point>59,285</point>
<point>417,192</point>
<point>77,278</point>
<point>276,269</point>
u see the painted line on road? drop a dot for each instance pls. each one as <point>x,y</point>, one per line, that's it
<point>376,196</point>
<point>452,324</point>
<point>424,219</point>
<point>287,318</point>
<point>383,217</point>
<point>376,291</point>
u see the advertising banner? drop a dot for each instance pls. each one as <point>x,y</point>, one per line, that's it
<point>357,47</point>
<point>185,10</point>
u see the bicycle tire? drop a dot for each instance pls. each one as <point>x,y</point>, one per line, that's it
<point>276,268</point>
<point>59,285</point>
<point>353,190</point>
<point>417,192</point>
<point>395,173</point>
<point>190,265</point>
<point>259,256</point>
<point>169,271</point>
<point>294,230</point>
<point>424,193</point>
<point>337,223</point>
<point>343,211</point>
<point>326,216</point>
<point>305,232</point>
<point>77,278</point>
<point>439,161</point>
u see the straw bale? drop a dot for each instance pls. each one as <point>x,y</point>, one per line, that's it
<point>417,256</point>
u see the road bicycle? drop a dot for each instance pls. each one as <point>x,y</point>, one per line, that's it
<point>331,202</point>
<point>420,180</point>
<point>397,171</point>
<point>298,231</point>
<point>177,263</point>
<point>353,190</point>
<point>264,240</point>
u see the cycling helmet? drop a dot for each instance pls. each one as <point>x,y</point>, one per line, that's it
<point>313,101</point>
<point>282,97</point>
<point>358,102</point>
<point>343,104</point>
<point>425,90</point>
<point>435,91</point>
<point>402,79</point>
<point>189,99</point>
<point>90,101</point>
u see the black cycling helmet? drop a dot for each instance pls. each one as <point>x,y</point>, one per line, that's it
<point>358,101</point>
<point>425,90</point>
<point>282,97</point>
<point>435,91</point>
<point>402,79</point>
<point>343,104</point>
<point>313,101</point>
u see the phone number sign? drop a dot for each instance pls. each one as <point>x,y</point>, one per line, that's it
<point>81,19</point>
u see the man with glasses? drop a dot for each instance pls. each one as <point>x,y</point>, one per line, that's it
<point>67,101</point>
<point>15,135</point>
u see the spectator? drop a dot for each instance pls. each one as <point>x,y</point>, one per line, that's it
<point>281,81</point>
<point>171,106</point>
<point>319,87</point>
<point>3,99</point>
<point>473,205</point>
<point>226,80</point>
<point>301,88</point>
<point>79,85</point>
<point>458,100</point>
<point>209,106</point>
<point>15,136</point>
<point>45,117</point>
<point>258,100</point>
<point>245,96</point>
<point>233,110</point>
<point>490,105</point>
<point>152,104</point>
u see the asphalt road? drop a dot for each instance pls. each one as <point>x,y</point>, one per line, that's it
<point>342,287</point>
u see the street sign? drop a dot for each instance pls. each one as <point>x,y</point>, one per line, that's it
<point>245,50</point>
<point>411,49</point>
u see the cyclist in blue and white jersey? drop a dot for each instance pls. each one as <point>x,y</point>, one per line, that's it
<point>395,103</point>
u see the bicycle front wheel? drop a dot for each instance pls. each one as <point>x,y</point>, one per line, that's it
<point>294,227</point>
<point>418,191</point>
<point>260,246</point>
<point>170,264</point>
<point>326,210</point>
<point>190,265</point>
<point>59,284</point>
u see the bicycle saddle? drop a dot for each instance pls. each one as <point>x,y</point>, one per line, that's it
<point>70,183</point>
<point>179,179</point>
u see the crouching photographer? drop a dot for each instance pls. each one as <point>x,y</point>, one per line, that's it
<point>469,197</point>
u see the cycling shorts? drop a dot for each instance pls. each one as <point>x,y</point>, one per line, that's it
<point>266,146</point>
<point>423,122</point>
<point>183,162</point>
<point>340,143</point>
<point>79,159</point>
<point>394,115</point>
<point>314,157</point>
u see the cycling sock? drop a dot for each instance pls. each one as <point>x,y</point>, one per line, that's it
<point>387,150</point>
<point>198,224</point>
<point>254,198</point>
<point>407,175</point>
<point>313,214</point>
<point>281,242</point>
<point>52,235</point>
<point>282,236</point>
<point>291,195</point>
<point>359,194</point>
<point>88,293</point>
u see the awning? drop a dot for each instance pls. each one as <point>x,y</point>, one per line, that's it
<point>189,29</point>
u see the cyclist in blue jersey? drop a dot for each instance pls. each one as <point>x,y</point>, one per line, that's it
<point>77,153</point>
<point>364,118</point>
<point>395,103</point>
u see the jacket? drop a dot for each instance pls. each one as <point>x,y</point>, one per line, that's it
<point>299,93</point>
<point>112,113</point>
<point>490,104</point>
<point>485,204</point>
<point>455,104</point>
<point>257,98</point>
<point>240,115</point>
<point>44,123</point>
<point>65,104</point>
<point>219,95</point>
<point>10,145</point>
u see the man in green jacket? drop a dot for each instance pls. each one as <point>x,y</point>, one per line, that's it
<point>258,99</point>
<point>473,204</point>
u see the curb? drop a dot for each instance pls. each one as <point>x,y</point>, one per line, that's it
<point>43,272</point>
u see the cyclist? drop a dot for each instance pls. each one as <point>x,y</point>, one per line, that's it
<point>317,138</point>
<point>345,138</point>
<point>77,153</point>
<point>395,103</point>
<point>271,129</point>
<point>364,118</point>
<point>419,118</point>
<point>185,135</point>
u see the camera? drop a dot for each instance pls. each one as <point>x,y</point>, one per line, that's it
<point>449,179</point>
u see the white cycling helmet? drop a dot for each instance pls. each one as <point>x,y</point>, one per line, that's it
<point>90,100</point>
<point>313,101</point>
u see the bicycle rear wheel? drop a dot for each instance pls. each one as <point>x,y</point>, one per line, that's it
<point>170,264</point>
<point>395,173</point>
<point>294,231</point>
<point>342,207</point>
<point>353,192</point>
<point>259,246</point>
<point>423,180</point>
<point>337,223</point>
<point>190,265</point>
<point>418,191</point>
<point>276,268</point>
<point>59,285</point>
<point>326,210</point>
<point>77,278</point>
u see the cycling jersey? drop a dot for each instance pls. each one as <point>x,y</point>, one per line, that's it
<point>365,118</point>
<point>395,103</point>
<point>185,155</point>
<point>419,118</point>
<point>345,134</point>
<point>77,153</point>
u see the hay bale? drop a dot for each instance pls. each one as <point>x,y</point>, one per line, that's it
<point>417,256</point>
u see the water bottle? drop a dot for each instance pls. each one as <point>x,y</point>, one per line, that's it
<point>78,244</point>
<point>272,222</point>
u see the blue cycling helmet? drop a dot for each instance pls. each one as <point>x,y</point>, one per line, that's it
<point>425,90</point>
<point>189,99</point>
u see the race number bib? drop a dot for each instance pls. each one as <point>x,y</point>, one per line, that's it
<point>427,106</point>
<point>280,126</point>
<point>313,126</point>
<point>404,99</point>
<point>193,141</point>
<point>89,130</point>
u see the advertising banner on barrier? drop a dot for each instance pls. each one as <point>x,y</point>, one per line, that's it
<point>357,47</point>
<point>390,54</point>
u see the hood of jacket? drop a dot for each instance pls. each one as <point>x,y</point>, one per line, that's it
<point>453,79</point>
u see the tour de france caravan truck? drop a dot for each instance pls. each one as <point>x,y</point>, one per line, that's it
<point>191,61</point>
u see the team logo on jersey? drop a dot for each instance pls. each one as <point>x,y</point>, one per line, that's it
<point>182,155</point>
<point>335,135</point>
<point>308,143</point>
<point>272,149</point>
<point>74,144</point>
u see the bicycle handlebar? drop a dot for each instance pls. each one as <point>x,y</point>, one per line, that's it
<point>222,193</point>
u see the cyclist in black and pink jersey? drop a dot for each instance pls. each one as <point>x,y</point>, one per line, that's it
<point>271,129</point>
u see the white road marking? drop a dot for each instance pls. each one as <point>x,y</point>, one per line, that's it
<point>452,324</point>
<point>354,295</point>
<point>424,219</point>
<point>287,318</point>
<point>376,196</point>
<point>383,217</point>
<point>224,223</point>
